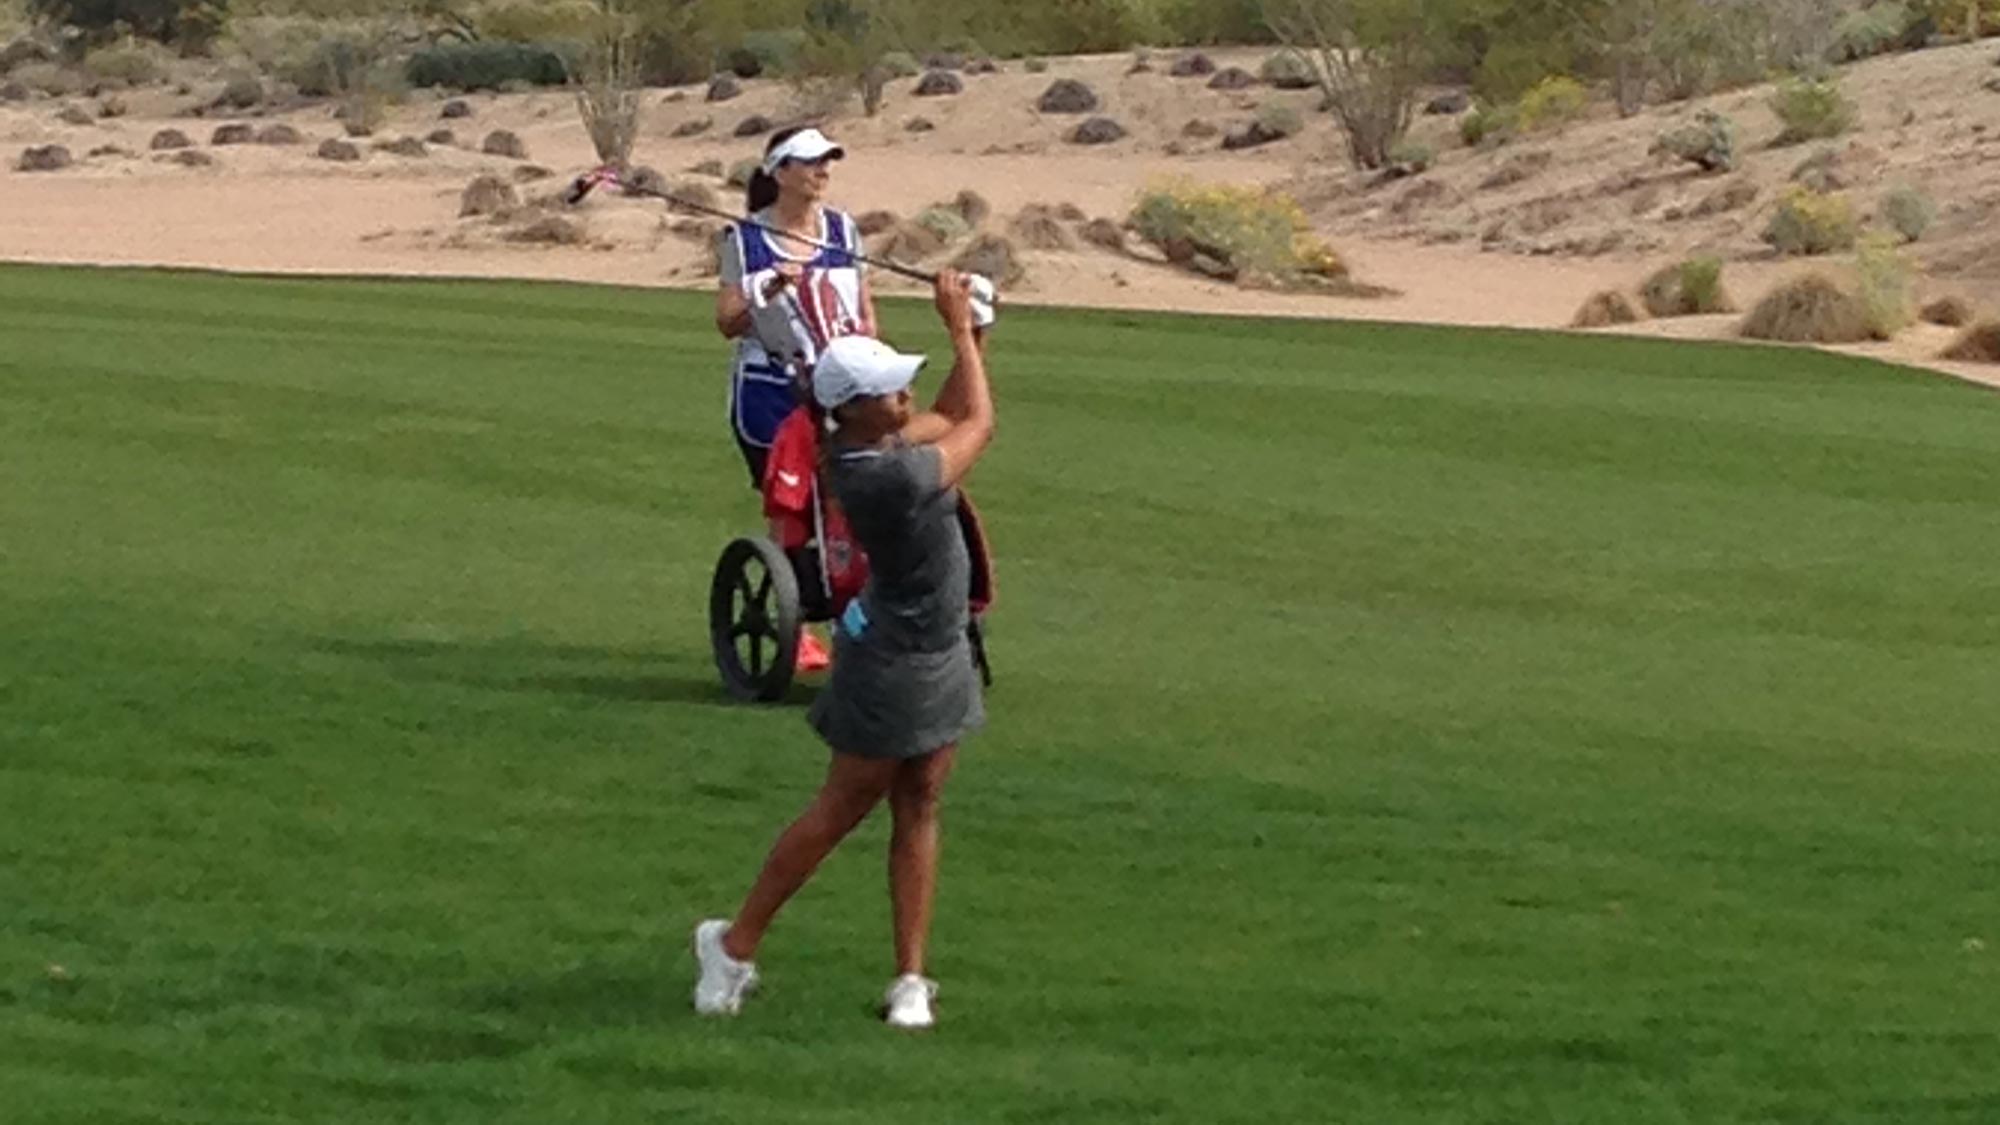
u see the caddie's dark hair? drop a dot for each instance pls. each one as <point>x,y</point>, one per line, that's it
<point>763,190</point>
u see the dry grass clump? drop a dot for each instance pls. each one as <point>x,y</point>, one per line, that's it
<point>1812,309</point>
<point>1979,344</point>
<point>1605,309</point>
<point>1948,312</point>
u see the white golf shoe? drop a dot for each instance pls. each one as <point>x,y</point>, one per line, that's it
<point>724,980</point>
<point>908,1003</point>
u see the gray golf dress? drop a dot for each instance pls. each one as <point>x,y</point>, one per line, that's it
<point>904,683</point>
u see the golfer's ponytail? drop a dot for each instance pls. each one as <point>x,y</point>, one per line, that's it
<point>763,190</point>
<point>762,193</point>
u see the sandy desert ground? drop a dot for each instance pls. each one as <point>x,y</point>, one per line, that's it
<point>1599,212</point>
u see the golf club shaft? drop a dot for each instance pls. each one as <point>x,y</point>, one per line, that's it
<point>717,213</point>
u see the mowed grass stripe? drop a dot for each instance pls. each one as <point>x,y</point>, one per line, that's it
<point>1395,724</point>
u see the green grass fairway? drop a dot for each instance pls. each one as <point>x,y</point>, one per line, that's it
<point>1394,725</point>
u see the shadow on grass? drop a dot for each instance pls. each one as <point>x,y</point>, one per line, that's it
<point>523,664</point>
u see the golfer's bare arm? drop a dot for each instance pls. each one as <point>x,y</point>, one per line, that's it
<point>947,410</point>
<point>965,402</point>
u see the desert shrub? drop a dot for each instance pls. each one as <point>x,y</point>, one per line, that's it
<point>1979,344</point>
<point>48,78</point>
<point>1808,310</point>
<point>1250,230</point>
<point>191,23</point>
<point>1036,66</point>
<point>1709,141</point>
<point>277,45</point>
<point>1820,171</point>
<point>1552,103</point>
<point>1951,16</point>
<point>1808,222</point>
<point>1414,155</point>
<point>332,63</point>
<point>1279,120</point>
<point>1488,125</point>
<point>899,64</point>
<point>1866,32</point>
<point>1887,286</point>
<point>1908,211</point>
<point>1811,109</point>
<point>1605,309</point>
<point>1947,312</point>
<point>1701,287</point>
<point>770,52</point>
<point>1689,288</point>
<point>486,66</point>
<point>130,60</point>
<point>1288,70</point>
<point>241,88</point>
<point>945,222</point>
<point>14,21</point>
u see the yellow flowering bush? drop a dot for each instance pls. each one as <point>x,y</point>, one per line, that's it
<point>1234,230</point>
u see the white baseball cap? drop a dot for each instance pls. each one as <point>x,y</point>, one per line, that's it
<point>861,367</point>
<point>807,145</point>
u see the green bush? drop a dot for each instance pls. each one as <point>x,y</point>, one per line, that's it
<point>1552,103</point>
<point>1690,288</point>
<point>1811,109</point>
<point>900,64</point>
<point>48,78</point>
<point>1488,125</point>
<point>485,66</point>
<point>944,222</point>
<point>1412,154</point>
<point>1949,16</point>
<point>241,88</point>
<point>773,52</point>
<point>1887,286</point>
<point>535,21</point>
<point>1808,222</point>
<point>1708,142</point>
<point>1288,70</point>
<point>1867,32</point>
<point>1908,211</point>
<point>337,59</point>
<point>130,60</point>
<point>190,22</point>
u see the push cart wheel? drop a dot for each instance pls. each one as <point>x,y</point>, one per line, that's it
<point>753,620</point>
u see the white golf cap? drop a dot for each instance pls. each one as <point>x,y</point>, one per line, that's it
<point>861,367</point>
<point>807,145</point>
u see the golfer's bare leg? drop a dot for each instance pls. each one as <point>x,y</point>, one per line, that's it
<point>852,788</point>
<point>913,852</point>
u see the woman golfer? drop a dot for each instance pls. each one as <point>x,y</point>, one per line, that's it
<point>904,688</point>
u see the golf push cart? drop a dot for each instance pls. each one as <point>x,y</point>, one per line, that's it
<point>765,591</point>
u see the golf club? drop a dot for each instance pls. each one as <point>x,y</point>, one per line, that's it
<point>589,181</point>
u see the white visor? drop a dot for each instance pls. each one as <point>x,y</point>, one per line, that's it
<point>807,145</point>
<point>861,367</point>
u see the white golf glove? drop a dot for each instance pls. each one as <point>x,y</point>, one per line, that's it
<point>758,287</point>
<point>985,301</point>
